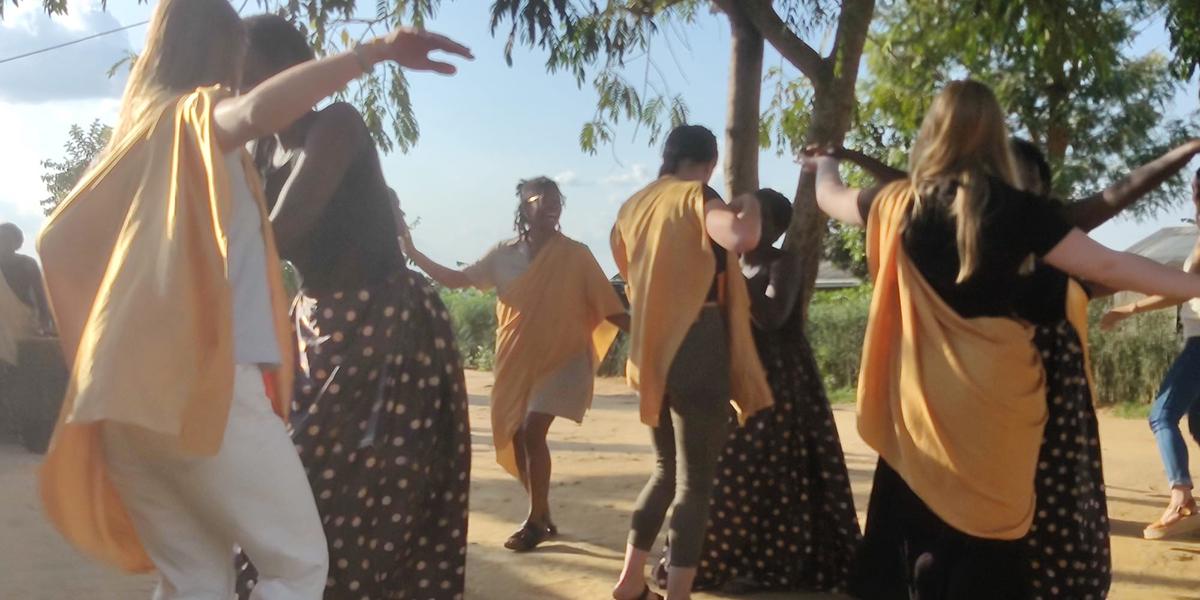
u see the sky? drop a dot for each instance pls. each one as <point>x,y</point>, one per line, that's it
<point>481,130</point>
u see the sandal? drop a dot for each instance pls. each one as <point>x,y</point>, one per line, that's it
<point>527,538</point>
<point>646,595</point>
<point>1183,520</point>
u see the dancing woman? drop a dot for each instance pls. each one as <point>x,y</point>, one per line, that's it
<point>557,315</point>
<point>1071,519</point>
<point>676,244</point>
<point>949,250</point>
<point>782,513</point>
<point>162,272</point>
<point>380,410</point>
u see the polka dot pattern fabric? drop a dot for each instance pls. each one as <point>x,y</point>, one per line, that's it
<point>1068,544</point>
<point>782,513</point>
<point>380,422</point>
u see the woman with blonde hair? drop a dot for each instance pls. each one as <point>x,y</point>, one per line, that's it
<point>952,392</point>
<point>162,271</point>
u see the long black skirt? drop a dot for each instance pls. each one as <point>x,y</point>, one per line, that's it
<point>782,515</point>
<point>380,422</point>
<point>1068,545</point>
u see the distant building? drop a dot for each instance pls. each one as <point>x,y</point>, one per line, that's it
<point>832,277</point>
<point>1169,246</point>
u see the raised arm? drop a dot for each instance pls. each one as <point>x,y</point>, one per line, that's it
<point>1083,258</point>
<point>737,226</point>
<point>880,171</point>
<point>834,197</point>
<point>1093,211</point>
<point>277,102</point>
<point>451,278</point>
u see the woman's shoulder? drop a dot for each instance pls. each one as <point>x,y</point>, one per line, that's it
<point>341,118</point>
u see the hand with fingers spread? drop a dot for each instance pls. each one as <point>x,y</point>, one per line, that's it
<point>410,48</point>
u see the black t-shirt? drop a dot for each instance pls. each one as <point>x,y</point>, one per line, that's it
<point>1016,227</point>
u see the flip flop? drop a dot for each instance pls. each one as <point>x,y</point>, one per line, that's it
<point>646,595</point>
<point>527,538</point>
<point>1187,523</point>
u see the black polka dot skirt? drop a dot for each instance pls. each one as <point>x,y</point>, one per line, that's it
<point>782,514</point>
<point>1068,544</point>
<point>380,421</point>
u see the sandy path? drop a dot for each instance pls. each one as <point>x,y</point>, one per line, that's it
<point>599,468</point>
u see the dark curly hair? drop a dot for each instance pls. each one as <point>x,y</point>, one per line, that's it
<point>526,189</point>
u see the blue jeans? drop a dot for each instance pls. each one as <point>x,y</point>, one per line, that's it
<point>1179,396</point>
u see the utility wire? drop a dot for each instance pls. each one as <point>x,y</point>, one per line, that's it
<point>71,43</point>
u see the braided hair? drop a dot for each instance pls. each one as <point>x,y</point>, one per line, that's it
<point>526,189</point>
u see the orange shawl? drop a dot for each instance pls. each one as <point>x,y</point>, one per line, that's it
<point>956,406</point>
<point>554,311</point>
<point>662,250</point>
<point>135,268</point>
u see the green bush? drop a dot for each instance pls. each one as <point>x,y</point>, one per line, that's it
<point>836,322</point>
<point>1128,364</point>
<point>473,314</point>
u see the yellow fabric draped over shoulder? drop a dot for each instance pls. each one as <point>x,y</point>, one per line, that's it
<point>16,323</point>
<point>662,250</point>
<point>136,271</point>
<point>956,406</point>
<point>553,312</point>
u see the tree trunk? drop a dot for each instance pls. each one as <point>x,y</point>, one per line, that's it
<point>745,94</point>
<point>833,110</point>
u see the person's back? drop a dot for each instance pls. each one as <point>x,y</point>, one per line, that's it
<point>1015,228</point>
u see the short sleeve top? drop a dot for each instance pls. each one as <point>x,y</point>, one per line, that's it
<point>1017,228</point>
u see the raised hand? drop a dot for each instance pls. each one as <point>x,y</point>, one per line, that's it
<point>410,48</point>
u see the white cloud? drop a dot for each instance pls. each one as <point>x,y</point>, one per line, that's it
<point>71,73</point>
<point>636,173</point>
<point>566,178</point>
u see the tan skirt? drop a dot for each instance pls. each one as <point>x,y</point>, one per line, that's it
<point>567,391</point>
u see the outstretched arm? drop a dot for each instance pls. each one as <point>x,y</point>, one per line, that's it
<point>1093,211</point>
<point>835,198</point>
<point>1152,303</point>
<point>1083,258</point>
<point>277,102</point>
<point>880,171</point>
<point>451,278</point>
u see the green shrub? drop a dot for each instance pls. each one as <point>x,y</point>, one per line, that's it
<point>836,322</point>
<point>1128,364</point>
<point>473,314</point>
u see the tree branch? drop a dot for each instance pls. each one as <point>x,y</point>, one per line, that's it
<point>772,27</point>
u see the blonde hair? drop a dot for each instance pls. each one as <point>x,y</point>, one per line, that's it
<point>963,138</point>
<point>189,44</point>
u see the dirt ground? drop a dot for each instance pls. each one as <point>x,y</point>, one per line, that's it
<point>599,468</point>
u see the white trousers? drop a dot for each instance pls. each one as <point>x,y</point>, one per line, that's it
<point>190,512</point>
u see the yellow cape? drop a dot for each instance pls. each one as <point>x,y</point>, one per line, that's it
<point>663,252</point>
<point>554,311</point>
<point>956,406</point>
<point>135,269</point>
